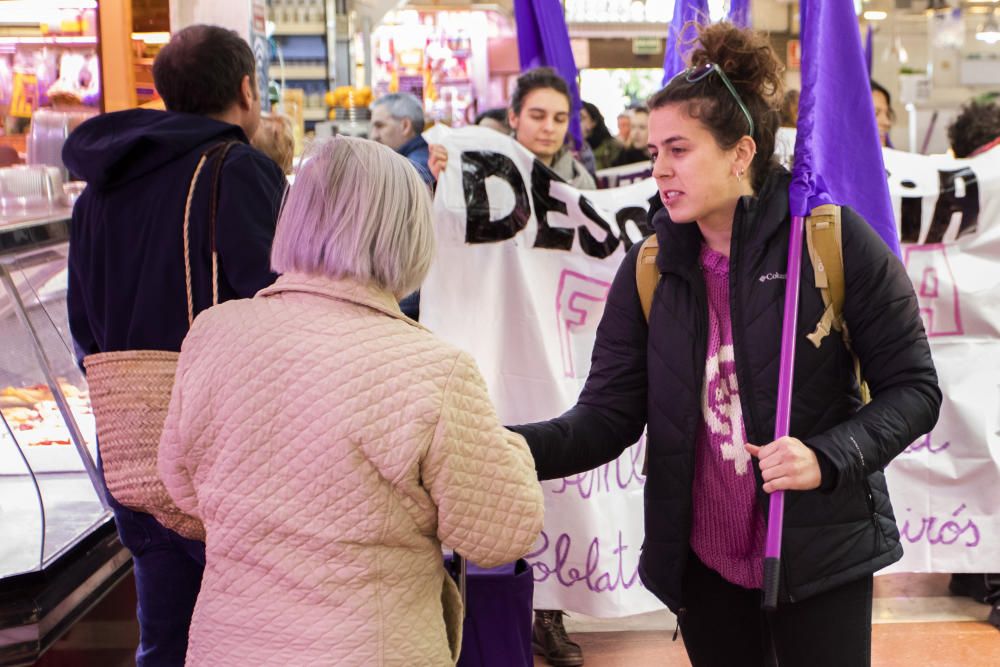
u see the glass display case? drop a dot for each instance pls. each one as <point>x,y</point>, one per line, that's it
<point>52,512</point>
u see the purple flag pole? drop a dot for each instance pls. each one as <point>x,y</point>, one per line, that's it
<point>543,39</point>
<point>837,160</point>
<point>782,421</point>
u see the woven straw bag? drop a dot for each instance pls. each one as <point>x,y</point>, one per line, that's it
<point>130,393</point>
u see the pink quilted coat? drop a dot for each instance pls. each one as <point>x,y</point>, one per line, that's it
<point>330,445</point>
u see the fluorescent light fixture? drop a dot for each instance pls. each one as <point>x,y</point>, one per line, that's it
<point>875,15</point>
<point>989,30</point>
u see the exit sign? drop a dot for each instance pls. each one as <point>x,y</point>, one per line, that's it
<point>646,46</point>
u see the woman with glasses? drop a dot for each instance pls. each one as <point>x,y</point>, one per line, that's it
<point>702,378</point>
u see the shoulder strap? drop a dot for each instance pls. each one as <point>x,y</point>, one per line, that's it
<point>824,241</point>
<point>221,150</point>
<point>646,273</point>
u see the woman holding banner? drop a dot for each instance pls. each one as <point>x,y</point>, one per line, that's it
<point>539,121</point>
<point>702,377</point>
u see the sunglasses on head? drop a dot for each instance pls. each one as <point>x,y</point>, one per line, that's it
<point>696,74</point>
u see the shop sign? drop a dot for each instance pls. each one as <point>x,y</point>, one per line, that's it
<point>24,98</point>
<point>793,54</point>
<point>647,46</point>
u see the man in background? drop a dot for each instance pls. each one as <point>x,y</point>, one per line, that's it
<point>635,143</point>
<point>397,121</point>
<point>126,260</point>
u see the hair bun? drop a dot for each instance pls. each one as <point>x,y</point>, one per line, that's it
<point>746,56</point>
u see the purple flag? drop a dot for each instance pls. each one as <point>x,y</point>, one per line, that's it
<point>838,158</point>
<point>739,12</point>
<point>869,36</point>
<point>694,10</point>
<point>543,40</point>
<point>684,12</point>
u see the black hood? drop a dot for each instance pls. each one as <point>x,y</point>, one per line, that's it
<point>115,148</point>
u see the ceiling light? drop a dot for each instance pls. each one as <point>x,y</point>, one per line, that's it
<point>874,15</point>
<point>989,30</point>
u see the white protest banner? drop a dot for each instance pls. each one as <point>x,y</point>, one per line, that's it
<point>946,487</point>
<point>523,268</point>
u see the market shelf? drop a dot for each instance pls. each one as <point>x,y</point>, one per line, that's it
<point>314,114</point>
<point>296,29</point>
<point>299,72</point>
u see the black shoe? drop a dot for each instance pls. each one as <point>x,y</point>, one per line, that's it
<point>982,588</point>
<point>549,639</point>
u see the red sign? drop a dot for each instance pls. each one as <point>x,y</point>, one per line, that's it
<point>793,54</point>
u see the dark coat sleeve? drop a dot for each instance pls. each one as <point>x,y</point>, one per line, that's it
<point>250,197</point>
<point>611,411</point>
<point>887,334</point>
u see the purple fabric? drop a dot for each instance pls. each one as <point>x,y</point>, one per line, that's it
<point>684,12</point>
<point>838,158</point>
<point>869,38</point>
<point>739,12</point>
<point>543,40</point>
<point>497,628</point>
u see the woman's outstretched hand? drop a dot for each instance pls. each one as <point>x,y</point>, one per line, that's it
<point>787,464</point>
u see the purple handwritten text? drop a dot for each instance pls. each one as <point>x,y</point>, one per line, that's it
<point>933,530</point>
<point>621,474</point>
<point>927,444</point>
<point>555,563</point>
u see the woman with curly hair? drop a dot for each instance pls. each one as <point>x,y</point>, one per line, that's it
<point>700,376</point>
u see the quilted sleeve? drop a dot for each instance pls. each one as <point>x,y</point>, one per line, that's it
<point>175,442</point>
<point>480,476</point>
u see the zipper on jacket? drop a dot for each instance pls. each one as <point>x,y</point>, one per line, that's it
<point>750,420</point>
<point>873,514</point>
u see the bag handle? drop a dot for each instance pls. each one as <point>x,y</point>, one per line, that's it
<point>222,150</point>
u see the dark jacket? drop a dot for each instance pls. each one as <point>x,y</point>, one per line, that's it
<point>417,152</point>
<point>126,261</point>
<point>631,156</point>
<point>831,536</point>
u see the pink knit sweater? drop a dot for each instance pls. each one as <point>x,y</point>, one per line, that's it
<point>727,532</point>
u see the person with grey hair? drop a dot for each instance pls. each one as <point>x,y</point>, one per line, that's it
<point>330,445</point>
<point>397,121</point>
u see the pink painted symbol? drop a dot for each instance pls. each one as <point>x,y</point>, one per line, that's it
<point>937,292</point>
<point>579,305</point>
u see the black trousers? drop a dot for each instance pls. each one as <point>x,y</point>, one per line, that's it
<point>723,625</point>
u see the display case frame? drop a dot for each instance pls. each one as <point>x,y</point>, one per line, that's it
<point>61,553</point>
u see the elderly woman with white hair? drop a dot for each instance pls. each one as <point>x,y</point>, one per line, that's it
<point>330,445</point>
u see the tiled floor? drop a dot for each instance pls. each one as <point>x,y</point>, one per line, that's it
<point>917,624</point>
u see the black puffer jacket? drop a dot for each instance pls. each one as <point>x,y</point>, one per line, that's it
<point>653,377</point>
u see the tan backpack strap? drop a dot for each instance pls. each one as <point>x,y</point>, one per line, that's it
<point>823,240</point>
<point>646,273</point>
